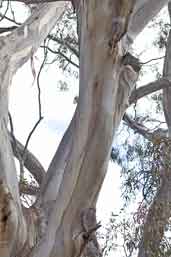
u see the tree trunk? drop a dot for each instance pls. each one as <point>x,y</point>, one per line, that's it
<point>62,222</point>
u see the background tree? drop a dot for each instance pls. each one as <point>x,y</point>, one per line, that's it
<point>62,221</point>
<point>148,174</point>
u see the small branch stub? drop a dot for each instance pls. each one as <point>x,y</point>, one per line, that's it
<point>85,241</point>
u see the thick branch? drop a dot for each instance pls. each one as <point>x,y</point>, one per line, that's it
<point>149,89</point>
<point>167,72</point>
<point>138,128</point>
<point>24,41</point>
<point>144,11</point>
<point>31,162</point>
<point>142,130</point>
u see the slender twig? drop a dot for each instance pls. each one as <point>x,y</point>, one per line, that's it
<point>9,19</point>
<point>62,55</point>
<point>39,107</point>
<point>64,42</point>
<point>151,60</point>
<point>38,80</point>
<point>30,134</point>
<point>6,10</point>
<point>12,11</point>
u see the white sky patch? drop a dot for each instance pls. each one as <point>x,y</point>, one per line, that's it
<point>109,198</point>
<point>58,108</point>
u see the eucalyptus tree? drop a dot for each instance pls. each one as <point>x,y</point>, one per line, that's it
<point>151,170</point>
<point>62,221</point>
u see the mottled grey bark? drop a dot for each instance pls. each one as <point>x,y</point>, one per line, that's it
<point>63,219</point>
